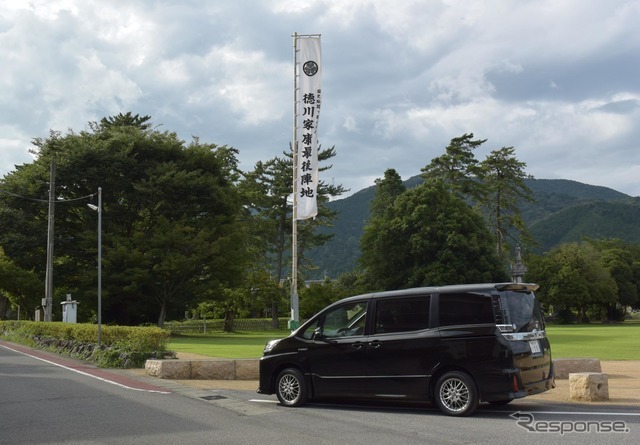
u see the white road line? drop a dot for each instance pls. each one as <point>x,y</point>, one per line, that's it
<point>85,373</point>
<point>571,413</point>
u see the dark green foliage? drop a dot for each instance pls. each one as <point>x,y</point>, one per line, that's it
<point>502,178</point>
<point>574,277</point>
<point>126,120</point>
<point>429,236</point>
<point>623,263</point>
<point>267,190</point>
<point>319,294</point>
<point>122,347</point>
<point>340,254</point>
<point>172,228</point>
<point>596,279</point>
<point>18,286</point>
<point>315,298</point>
<point>457,168</point>
<point>496,186</point>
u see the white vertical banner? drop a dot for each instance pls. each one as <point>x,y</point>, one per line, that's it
<point>308,98</point>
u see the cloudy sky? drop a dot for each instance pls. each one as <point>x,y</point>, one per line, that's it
<point>559,80</point>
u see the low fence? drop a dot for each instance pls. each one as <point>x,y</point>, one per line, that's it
<point>204,326</point>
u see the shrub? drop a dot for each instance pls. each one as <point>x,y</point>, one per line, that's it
<point>121,346</point>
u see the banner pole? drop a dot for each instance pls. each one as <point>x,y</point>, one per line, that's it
<point>294,321</point>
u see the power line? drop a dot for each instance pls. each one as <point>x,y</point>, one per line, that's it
<point>46,200</point>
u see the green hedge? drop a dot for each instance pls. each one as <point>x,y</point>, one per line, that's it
<point>200,326</point>
<point>122,346</point>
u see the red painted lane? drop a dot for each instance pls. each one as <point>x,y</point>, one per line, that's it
<point>87,369</point>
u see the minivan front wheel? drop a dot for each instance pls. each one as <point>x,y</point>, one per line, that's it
<point>291,388</point>
<point>456,394</point>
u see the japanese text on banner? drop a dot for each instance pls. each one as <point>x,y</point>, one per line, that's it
<point>309,99</point>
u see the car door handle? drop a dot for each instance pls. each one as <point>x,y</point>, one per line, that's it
<point>375,344</point>
<point>358,345</point>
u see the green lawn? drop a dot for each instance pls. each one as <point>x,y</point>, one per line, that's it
<point>605,342</point>
<point>234,345</point>
<point>602,341</point>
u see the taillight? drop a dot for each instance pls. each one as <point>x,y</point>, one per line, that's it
<point>515,384</point>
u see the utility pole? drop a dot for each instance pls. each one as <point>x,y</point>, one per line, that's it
<point>98,209</point>
<point>48,307</point>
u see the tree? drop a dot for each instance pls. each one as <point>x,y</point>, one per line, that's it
<point>268,190</point>
<point>125,120</point>
<point>573,277</point>
<point>171,218</point>
<point>496,185</point>
<point>457,169</point>
<point>388,189</point>
<point>429,236</point>
<point>314,298</point>
<point>619,260</point>
<point>503,189</point>
<point>18,288</point>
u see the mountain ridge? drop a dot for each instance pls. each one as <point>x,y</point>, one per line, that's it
<point>562,211</point>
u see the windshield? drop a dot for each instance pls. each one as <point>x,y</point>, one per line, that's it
<point>523,311</point>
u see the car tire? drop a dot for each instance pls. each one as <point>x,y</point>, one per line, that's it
<point>291,387</point>
<point>456,394</point>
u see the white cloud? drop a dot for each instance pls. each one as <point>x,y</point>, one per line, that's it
<point>351,124</point>
<point>556,80</point>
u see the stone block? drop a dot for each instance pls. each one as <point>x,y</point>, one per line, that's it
<point>213,370</point>
<point>168,369</point>
<point>247,369</point>
<point>588,386</point>
<point>565,366</point>
<point>153,367</point>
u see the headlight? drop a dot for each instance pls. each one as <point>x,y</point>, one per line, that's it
<point>270,345</point>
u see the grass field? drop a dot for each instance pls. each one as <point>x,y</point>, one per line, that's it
<point>234,345</point>
<point>605,342</point>
<point>602,341</point>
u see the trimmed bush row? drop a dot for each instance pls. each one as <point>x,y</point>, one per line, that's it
<point>122,346</point>
<point>200,326</point>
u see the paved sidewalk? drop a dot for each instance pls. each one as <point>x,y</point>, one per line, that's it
<point>624,385</point>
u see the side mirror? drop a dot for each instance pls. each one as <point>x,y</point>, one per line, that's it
<point>319,336</point>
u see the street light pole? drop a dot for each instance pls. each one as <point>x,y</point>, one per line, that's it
<point>99,210</point>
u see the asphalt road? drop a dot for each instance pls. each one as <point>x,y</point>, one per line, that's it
<point>48,399</point>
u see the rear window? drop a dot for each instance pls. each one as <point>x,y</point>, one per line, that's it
<point>465,308</point>
<point>522,310</point>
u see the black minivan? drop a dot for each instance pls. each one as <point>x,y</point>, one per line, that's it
<point>454,345</point>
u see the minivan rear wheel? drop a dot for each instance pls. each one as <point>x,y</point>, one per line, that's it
<point>456,394</point>
<point>291,388</point>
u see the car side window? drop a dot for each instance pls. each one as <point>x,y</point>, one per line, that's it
<point>465,308</point>
<point>402,314</point>
<point>345,321</point>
